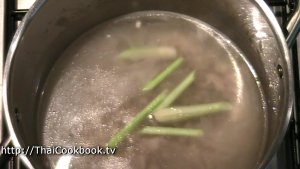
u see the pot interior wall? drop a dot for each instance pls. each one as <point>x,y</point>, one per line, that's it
<point>50,29</point>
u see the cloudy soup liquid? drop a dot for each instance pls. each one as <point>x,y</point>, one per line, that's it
<point>91,93</point>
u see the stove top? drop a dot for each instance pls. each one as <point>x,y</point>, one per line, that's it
<point>287,157</point>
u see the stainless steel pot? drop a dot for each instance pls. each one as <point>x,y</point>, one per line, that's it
<point>51,25</point>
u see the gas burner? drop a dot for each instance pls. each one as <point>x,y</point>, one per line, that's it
<point>288,156</point>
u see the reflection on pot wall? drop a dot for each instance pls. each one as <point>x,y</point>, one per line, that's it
<point>64,162</point>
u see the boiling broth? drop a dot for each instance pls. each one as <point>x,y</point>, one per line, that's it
<point>91,94</point>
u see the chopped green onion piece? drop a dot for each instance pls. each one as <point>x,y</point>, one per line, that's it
<point>163,75</point>
<point>139,53</point>
<point>170,131</point>
<point>176,114</point>
<point>139,118</point>
<point>175,93</point>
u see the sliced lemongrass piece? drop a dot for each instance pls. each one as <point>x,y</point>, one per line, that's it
<point>138,119</point>
<point>176,114</point>
<point>164,74</point>
<point>170,131</point>
<point>178,90</point>
<point>146,52</point>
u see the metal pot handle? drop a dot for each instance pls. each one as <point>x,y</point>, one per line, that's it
<point>293,26</point>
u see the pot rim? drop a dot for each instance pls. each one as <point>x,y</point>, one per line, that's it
<point>260,4</point>
<point>289,106</point>
<point>7,68</point>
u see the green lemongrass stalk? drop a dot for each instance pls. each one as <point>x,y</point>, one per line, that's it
<point>138,119</point>
<point>178,90</point>
<point>138,53</point>
<point>163,75</point>
<point>170,131</point>
<point>176,114</point>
